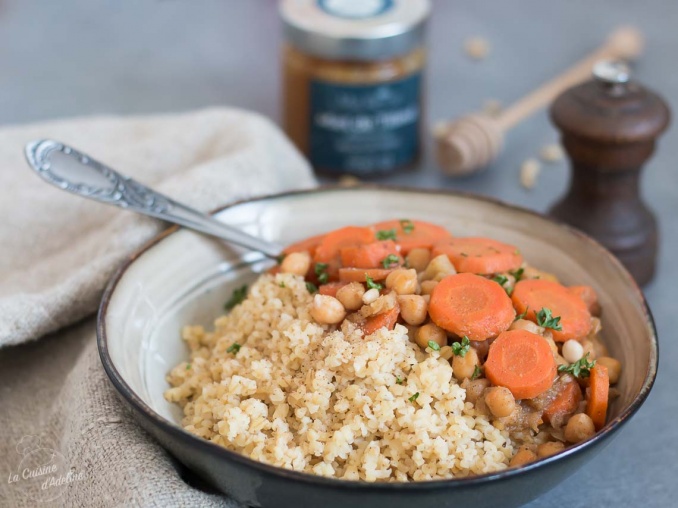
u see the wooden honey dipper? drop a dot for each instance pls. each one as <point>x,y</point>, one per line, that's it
<point>469,144</point>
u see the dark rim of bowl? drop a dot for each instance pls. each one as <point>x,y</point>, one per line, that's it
<point>178,432</point>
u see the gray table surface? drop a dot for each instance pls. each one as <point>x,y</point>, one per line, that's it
<point>82,57</point>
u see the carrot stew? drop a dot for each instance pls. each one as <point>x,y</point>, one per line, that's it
<point>525,347</point>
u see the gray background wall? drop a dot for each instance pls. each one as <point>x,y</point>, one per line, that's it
<point>82,57</point>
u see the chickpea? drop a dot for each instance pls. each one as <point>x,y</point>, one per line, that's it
<point>438,265</point>
<point>412,332</point>
<point>418,259</point>
<point>579,427</point>
<point>413,309</point>
<point>588,348</point>
<point>297,263</point>
<point>554,349</point>
<point>441,275</point>
<point>431,332</point>
<point>370,296</point>
<point>527,325</point>
<point>532,273</point>
<point>613,367</point>
<point>351,295</point>
<point>599,349</point>
<point>446,353</point>
<point>596,326</point>
<point>524,456</point>
<point>381,304</point>
<point>482,347</point>
<point>402,281</point>
<point>572,351</point>
<point>464,366</point>
<point>500,401</point>
<point>475,388</point>
<point>550,448</point>
<point>327,310</point>
<point>427,286</point>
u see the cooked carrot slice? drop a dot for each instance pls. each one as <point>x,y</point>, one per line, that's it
<point>371,255</point>
<point>480,255</point>
<point>566,402</point>
<point>361,274</point>
<point>471,305</point>
<point>308,245</point>
<point>413,234</point>
<point>387,319</point>
<point>331,288</point>
<point>599,391</point>
<point>522,362</point>
<point>589,296</point>
<point>533,295</point>
<point>330,247</point>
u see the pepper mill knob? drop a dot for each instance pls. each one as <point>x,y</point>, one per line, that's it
<point>609,126</point>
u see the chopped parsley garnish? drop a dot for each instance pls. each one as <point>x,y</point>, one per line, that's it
<point>386,234</point>
<point>407,225</point>
<point>476,373</point>
<point>371,284</point>
<point>522,316</point>
<point>282,284</point>
<point>414,397</point>
<point>188,366</point>
<point>463,254</point>
<point>311,288</point>
<point>500,279</point>
<point>518,273</point>
<point>321,271</point>
<point>234,348</point>
<point>280,258</point>
<point>460,349</point>
<point>390,260</point>
<point>545,319</point>
<point>517,252</point>
<point>433,345</point>
<point>237,297</point>
<point>581,368</point>
<point>399,380</point>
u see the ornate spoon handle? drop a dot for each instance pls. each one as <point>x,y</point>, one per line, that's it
<point>75,172</point>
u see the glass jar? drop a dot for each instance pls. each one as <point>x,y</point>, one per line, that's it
<point>352,83</point>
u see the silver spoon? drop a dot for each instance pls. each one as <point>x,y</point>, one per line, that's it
<point>72,171</point>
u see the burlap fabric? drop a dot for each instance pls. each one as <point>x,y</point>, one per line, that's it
<point>57,408</point>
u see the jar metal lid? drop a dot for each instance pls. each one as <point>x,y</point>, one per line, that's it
<point>355,29</point>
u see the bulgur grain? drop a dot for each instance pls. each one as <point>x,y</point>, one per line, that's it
<point>326,400</point>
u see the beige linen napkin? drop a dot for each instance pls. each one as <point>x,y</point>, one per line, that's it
<point>56,253</point>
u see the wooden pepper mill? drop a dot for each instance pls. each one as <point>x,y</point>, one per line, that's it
<point>609,126</point>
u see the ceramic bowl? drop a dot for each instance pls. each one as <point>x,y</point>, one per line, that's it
<point>182,277</point>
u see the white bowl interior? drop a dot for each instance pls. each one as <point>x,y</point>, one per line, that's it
<point>186,277</point>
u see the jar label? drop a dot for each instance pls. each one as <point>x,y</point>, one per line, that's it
<point>365,130</point>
